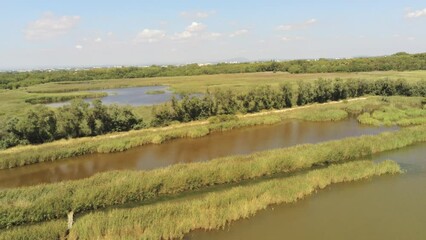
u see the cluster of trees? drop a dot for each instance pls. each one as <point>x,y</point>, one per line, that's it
<point>222,102</point>
<point>398,62</point>
<point>79,119</point>
<point>226,102</point>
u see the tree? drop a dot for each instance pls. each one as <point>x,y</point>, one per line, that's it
<point>287,94</point>
<point>305,93</point>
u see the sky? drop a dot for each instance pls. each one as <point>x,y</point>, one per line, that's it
<point>65,33</point>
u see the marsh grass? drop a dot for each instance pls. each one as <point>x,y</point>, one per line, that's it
<point>52,201</point>
<point>53,98</point>
<point>397,111</point>
<point>210,210</point>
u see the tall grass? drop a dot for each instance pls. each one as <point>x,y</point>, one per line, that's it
<point>211,210</point>
<point>44,202</point>
<point>397,111</point>
<point>56,229</point>
<point>118,142</point>
<point>215,210</point>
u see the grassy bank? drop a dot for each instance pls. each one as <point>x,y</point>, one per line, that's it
<point>44,202</point>
<point>172,219</point>
<point>396,111</point>
<point>25,155</point>
<point>53,98</point>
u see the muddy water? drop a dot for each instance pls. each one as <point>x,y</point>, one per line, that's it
<point>241,141</point>
<point>387,207</point>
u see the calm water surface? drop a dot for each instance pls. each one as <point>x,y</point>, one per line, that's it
<point>387,207</point>
<point>135,96</point>
<point>240,141</point>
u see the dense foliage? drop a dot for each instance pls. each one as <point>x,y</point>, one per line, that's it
<point>397,62</point>
<point>43,202</point>
<point>223,102</point>
<point>43,124</point>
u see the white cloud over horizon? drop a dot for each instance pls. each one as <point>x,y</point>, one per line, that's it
<point>150,35</point>
<point>190,31</point>
<point>416,13</point>
<point>50,26</point>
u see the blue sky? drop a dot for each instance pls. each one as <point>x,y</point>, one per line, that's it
<point>51,33</point>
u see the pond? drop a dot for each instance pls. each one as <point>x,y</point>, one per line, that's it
<point>220,144</point>
<point>134,96</point>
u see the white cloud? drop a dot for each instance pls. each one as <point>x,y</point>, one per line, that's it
<point>150,35</point>
<point>199,15</point>
<point>79,47</point>
<point>416,14</point>
<point>195,27</point>
<point>49,26</point>
<point>239,33</point>
<point>305,24</point>
<point>98,40</point>
<point>190,31</point>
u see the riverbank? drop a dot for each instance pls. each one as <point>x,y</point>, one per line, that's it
<point>117,142</point>
<point>172,219</point>
<point>45,202</point>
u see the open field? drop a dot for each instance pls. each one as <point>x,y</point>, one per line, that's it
<point>14,101</point>
<point>199,84</point>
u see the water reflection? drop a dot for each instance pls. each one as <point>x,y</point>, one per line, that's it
<point>135,96</point>
<point>240,141</point>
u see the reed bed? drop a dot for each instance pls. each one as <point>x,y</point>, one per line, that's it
<point>212,210</point>
<point>52,201</point>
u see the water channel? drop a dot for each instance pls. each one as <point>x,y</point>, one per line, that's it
<point>386,207</point>
<point>220,144</point>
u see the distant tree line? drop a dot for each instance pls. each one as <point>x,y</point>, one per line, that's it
<point>79,119</point>
<point>227,102</point>
<point>398,62</point>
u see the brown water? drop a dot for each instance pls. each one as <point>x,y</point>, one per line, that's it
<point>241,141</point>
<point>387,207</point>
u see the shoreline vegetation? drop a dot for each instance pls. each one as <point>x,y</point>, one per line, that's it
<point>52,201</point>
<point>116,142</point>
<point>42,124</point>
<point>208,211</point>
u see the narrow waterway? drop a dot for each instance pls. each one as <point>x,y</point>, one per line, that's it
<point>386,207</point>
<point>240,141</point>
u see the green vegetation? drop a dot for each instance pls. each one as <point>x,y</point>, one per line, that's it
<point>115,142</point>
<point>395,113</point>
<point>398,62</point>
<point>53,98</point>
<point>155,92</point>
<point>212,210</point>
<point>44,202</point>
<point>261,98</point>
<point>43,124</point>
